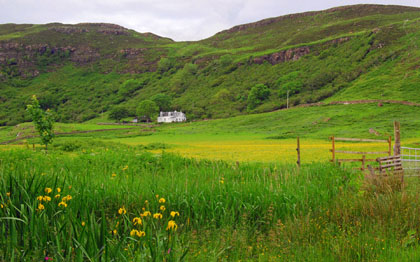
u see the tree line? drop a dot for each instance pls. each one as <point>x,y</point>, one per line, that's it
<point>146,110</point>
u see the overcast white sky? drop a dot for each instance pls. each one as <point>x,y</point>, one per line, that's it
<point>177,19</point>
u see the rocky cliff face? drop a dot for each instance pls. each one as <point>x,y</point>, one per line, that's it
<point>283,56</point>
<point>25,59</point>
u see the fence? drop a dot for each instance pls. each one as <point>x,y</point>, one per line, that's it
<point>411,160</point>
<point>363,160</point>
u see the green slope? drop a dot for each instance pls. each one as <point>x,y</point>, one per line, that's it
<point>80,71</point>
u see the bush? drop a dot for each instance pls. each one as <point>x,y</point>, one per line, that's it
<point>257,94</point>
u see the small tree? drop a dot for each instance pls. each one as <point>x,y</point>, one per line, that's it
<point>118,113</point>
<point>163,101</point>
<point>147,109</point>
<point>257,94</point>
<point>43,121</point>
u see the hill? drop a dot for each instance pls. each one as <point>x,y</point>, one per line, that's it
<point>83,70</point>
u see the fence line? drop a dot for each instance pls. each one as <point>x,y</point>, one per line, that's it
<point>411,158</point>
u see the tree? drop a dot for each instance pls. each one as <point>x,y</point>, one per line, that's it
<point>118,113</point>
<point>43,121</point>
<point>257,94</point>
<point>147,109</point>
<point>163,101</point>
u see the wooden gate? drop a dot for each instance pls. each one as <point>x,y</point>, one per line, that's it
<point>363,160</point>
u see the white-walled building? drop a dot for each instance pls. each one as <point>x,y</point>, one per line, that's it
<point>169,117</point>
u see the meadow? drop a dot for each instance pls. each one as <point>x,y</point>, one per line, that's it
<point>218,190</point>
<point>121,203</point>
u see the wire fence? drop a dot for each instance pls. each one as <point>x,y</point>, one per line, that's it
<point>411,160</point>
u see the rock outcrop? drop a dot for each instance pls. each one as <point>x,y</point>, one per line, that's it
<point>283,56</point>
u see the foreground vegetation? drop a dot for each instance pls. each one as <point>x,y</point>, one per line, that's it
<point>93,205</point>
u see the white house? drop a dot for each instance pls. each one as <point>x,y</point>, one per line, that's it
<point>169,117</point>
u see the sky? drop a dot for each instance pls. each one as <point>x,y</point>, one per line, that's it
<point>181,20</point>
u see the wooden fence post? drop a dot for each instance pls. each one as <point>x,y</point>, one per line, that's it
<point>397,141</point>
<point>363,162</point>
<point>390,145</point>
<point>298,151</point>
<point>333,149</point>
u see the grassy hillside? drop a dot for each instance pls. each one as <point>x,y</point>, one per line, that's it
<point>81,71</point>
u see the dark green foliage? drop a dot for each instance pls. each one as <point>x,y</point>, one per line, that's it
<point>291,83</point>
<point>147,109</point>
<point>130,86</point>
<point>163,101</point>
<point>257,95</point>
<point>118,113</point>
<point>164,65</point>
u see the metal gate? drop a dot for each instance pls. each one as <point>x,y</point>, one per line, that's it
<point>411,160</point>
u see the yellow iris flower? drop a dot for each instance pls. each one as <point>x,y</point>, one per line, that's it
<point>62,203</point>
<point>137,221</point>
<point>122,210</point>
<point>172,225</point>
<point>174,213</point>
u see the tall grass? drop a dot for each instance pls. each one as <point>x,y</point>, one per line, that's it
<point>206,195</point>
<point>227,211</point>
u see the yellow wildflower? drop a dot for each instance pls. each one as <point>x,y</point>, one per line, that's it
<point>125,168</point>
<point>162,208</point>
<point>83,223</point>
<point>174,213</point>
<point>48,190</point>
<point>67,198</point>
<point>40,207</point>
<point>162,200</point>
<point>172,225</point>
<point>58,189</point>
<point>46,198</point>
<point>57,196</point>
<point>146,202</point>
<point>145,214</point>
<point>114,175</point>
<point>1,205</point>
<point>114,232</point>
<point>157,196</point>
<point>62,203</point>
<point>70,187</point>
<point>135,232</point>
<point>122,210</point>
<point>39,198</point>
<point>8,194</point>
<point>157,216</point>
<point>137,221</point>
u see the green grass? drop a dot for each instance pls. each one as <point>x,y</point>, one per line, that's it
<point>228,212</point>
